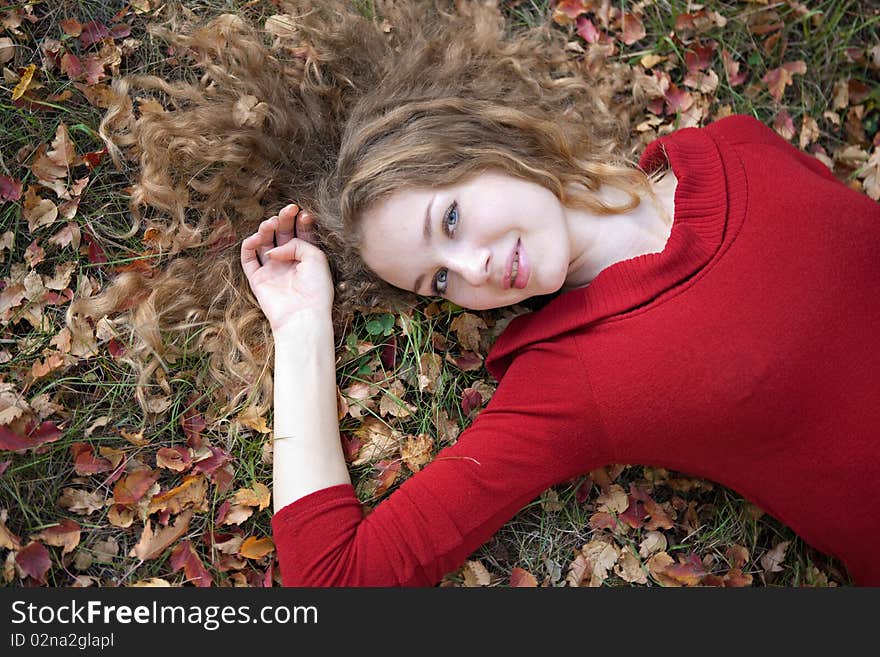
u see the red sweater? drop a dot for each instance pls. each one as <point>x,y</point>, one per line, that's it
<point>746,353</point>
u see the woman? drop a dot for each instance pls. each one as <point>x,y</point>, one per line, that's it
<point>712,310</point>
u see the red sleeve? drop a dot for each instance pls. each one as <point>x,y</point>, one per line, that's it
<point>741,129</point>
<point>540,428</point>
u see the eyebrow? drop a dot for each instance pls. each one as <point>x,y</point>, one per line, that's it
<point>426,235</point>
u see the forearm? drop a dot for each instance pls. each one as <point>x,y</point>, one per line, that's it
<point>307,453</point>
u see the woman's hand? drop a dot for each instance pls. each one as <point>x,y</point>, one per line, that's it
<point>292,277</point>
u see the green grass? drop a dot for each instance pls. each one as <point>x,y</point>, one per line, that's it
<point>544,537</point>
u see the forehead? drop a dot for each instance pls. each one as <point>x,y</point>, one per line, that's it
<point>392,241</point>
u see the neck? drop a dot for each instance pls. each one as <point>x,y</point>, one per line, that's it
<point>599,241</point>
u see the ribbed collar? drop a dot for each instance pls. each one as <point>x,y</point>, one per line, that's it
<point>698,231</point>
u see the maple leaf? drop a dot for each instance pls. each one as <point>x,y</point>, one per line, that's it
<point>152,544</point>
<point>417,451</point>
<point>256,548</point>
<point>34,561</point>
<point>64,535</point>
<point>522,578</point>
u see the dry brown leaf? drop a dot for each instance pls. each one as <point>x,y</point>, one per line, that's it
<point>652,543</point>
<point>237,514</point>
<point>191,492</point>
<point>120,516</point>
<point>81,501</point>
<point>152,545</point>
<point>378,441</point>
<point>38,211</point>
<point>251,418</point>
<point>771,562</point>
<point>467,328</point>
<point>430,367</point>
<point>629,568</point>
<point>522,578</point>
<point>657,566</point>
<point>601,556</point>
<point>8,540</point>
<point>613,501</point>
<point>259,495</point>
<point>153,582</point>
<point>577,570</point>
<point>475,574</point>
<point>737,555</point>
<point>64,535</point>
<point>417,451</point>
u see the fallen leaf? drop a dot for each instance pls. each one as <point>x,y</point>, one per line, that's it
<point>177,459</point>
<point>378,441</point>
<point>475,574</point>
<point>467,329</point>
<point>24,82</point>
<point>131,488</point>
<point>778,79</point>
<point>772,560</point>
<point>184,557</point>
<point>259,495</point>
<point>522,578</point>
<point>614,500</point>
<point>81,501</point>
<point>737,556</point>
<point>629,568</point>
<point>256,548</point>
<point>64,535</point>
<point>237,514</point>
<point>152,545</point>
<point>8,540</point>
<point>191,492</point>
<point>10,189</point>
<point>417,451</point>
<point>34,561</point>
<point>784,125</point>
<point>633,29</point>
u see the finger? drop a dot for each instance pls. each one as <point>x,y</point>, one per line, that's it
<point>287,223</point>
<point>250,261</point>
<point>266,241</point>
<point>305,227</point>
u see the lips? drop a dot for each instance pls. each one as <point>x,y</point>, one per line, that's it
<point>516,271</point>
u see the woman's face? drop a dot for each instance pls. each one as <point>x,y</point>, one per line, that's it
<point>461,242</point>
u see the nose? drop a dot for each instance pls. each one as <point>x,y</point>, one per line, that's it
<point>472,265</point>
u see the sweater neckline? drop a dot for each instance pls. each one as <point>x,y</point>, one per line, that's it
<point>697,233</point>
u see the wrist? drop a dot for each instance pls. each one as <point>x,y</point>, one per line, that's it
<point>303,325</point>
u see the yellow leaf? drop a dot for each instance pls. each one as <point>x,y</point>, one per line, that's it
<point>256,548</point>
<point>259,496</point>
<point>24,82</point>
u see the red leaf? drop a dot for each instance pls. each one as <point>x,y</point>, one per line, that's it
<point>388,471</point>
<point>3,466</point>
<point>603,520</point>
<point>690,572</point>
<point>587,30</point>
<point>220,516</point>
<point>85,462</point>
<point>10,189</point>
<point>522,578</point>
<point>131,488</point>
<point>467,361</point>
<point>471,399</point>
<point>677,100</point>
<point>115,348</point>
<point>47,432</point>
<point>185,557</point>
<point>92,32</point>
<point>570,8</point>
<point>351,445</point>
<point>731,67</point>
<point>699,57</point>
<point>193,424</point>
<point>34,561</point>
<point>635,514</point>
<point>389,354</point>
<point>91,160</point>
<point>71,66</point>
<point>93,68</point>
<point>96,253</point>
<point>213,462</point>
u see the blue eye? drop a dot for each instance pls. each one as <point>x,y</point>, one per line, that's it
<point>450,221</point>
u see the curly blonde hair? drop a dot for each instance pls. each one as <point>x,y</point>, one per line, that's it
<point>334,109</point>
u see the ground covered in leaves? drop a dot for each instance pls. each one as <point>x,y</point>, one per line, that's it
<point>88,498</point>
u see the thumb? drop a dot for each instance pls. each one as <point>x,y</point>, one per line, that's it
<point>296,250</point>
